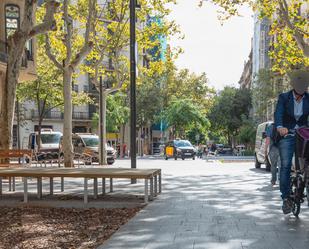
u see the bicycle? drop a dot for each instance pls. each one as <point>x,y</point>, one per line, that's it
<point>299,181</point>
<point>299,185</point>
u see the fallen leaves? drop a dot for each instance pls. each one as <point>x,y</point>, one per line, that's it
<point>40,227</point>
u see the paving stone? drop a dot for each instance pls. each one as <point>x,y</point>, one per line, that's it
<point>214,206</point>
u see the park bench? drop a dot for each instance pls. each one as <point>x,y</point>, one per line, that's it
<point>152,178</point>
<point>15,158</point>
<point>20,158</point>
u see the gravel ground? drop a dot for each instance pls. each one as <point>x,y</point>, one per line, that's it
<point>41,227</point>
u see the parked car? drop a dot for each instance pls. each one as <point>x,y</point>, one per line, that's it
<point>224,150</point>
<point>87,144</point>
<point>219,148</point>
<point>49,141</point>
<point>179,149</point>
<point>260,156</point>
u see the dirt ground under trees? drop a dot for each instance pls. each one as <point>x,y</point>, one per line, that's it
<point>42,227</point>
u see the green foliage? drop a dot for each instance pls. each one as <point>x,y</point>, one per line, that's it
<point>116,115</point>
<point>247,134</point>
<point>148,101</point>
<point>183,84</point>
<point>200,131</point>
<point>47,90</point>
<point>230,107</point>
<point>265,90</point>
<point>183,114</point>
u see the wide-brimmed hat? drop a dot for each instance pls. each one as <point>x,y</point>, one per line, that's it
<point>299,80</point>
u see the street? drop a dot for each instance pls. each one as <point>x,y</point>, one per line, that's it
<point>212,205</point>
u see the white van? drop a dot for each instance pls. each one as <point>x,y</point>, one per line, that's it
<point>260,157</point>
<point>49,140</point>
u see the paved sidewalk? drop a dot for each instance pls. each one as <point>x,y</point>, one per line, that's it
<point>213,206</point>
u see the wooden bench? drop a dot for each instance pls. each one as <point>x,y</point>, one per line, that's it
<point>20,157</point>
<point>6,157</point>
<point>152,178</point>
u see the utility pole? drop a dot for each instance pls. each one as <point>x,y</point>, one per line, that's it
<point>132,86</point>
<point>101,144</point>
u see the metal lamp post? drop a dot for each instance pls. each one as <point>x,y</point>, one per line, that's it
<point>132,86</point>
<point>101,126</point>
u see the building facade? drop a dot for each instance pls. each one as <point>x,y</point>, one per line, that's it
<point>246,76</point>
<point>260,45</point>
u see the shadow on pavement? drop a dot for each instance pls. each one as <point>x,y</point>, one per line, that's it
<point>219,211</point>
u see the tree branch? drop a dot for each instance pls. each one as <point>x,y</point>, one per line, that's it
<point>68,36</point>
<point>49,53</point>
<point>297,34</point>
<point>49,22</point>
<point>88,45</point>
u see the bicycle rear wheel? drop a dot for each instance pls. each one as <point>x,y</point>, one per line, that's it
<point>295,197</point>
<point>296,208</point>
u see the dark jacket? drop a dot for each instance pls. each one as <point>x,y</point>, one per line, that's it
<point>284,114</point>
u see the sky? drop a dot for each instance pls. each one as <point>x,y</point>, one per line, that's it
<point>219,51</point>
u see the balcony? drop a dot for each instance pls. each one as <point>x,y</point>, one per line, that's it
<point>57,115</point>
<point>81,116</point>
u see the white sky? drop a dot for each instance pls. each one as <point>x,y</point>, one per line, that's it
<point>219,51</point>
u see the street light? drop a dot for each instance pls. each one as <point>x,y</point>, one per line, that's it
<point>101,125</point>
<point>133,4</point>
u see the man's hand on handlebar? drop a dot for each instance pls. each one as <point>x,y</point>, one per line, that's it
<point>283,131</point>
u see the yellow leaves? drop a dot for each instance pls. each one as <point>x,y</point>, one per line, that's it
<point>286,53</point>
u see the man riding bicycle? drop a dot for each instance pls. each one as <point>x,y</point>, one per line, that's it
<point>291,113</point>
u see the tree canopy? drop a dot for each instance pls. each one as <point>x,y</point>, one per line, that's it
<point>231,107</point>
<point>183,114</point>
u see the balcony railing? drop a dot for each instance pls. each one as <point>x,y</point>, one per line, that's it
<point>57,115</point>
<point>81,115</point>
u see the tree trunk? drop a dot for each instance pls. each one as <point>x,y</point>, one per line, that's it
<point>8,90</point>
<point>67,126</point>
<point>16,44</point>
<point>5,124</point>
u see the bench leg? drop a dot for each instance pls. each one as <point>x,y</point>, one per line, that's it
<point>103,186</point>
<point>160,183</point>
<point>155,178</point>
<point>85,190</point>
<point>111,185</point>
<point>151,188</point>
<point>51,185</point>
<point>0,185</point>
<point>10,183</point>
<point>39,187</point>
<point>13,183</point>
<point>95,188</point>
<point>146,191</point>
<point>25,189</point>
<point>62,184</point>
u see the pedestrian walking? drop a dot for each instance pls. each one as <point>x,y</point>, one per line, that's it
<point>291,113</point>
<point>272,152</point>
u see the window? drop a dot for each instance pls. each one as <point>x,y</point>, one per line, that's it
<point>50,138</point>
<point>12,16</point>
<point>75,88</point>
<point>29,50</point>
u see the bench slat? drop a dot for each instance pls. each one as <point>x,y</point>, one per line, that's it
<point>80,172</point>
